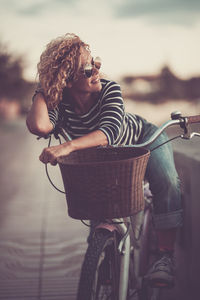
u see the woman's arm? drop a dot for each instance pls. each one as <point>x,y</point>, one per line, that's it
<point>95,138</point>
<point>111,118</point>
<point>38,119</point>
<point>112,113</point>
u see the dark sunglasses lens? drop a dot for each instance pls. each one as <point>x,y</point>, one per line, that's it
<point>88,72</point>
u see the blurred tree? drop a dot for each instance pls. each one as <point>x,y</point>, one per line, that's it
<point>12,84</point>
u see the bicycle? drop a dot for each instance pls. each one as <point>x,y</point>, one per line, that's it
<point>118,251</point>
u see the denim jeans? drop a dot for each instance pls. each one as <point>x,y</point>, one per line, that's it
<point>163,180</point>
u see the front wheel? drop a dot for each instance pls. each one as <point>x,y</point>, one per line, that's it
<point>149,293</point>
<point>99,277</point>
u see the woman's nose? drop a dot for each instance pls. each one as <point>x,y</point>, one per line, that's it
<point>95,70</point>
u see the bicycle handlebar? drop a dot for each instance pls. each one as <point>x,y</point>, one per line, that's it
<point>177,119</point>
<point>193,119</point>
<point>157,133</point>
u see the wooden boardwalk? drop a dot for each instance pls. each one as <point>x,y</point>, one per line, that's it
<point>41,248</point>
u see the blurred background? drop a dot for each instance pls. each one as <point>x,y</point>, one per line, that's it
<point>152,48</point>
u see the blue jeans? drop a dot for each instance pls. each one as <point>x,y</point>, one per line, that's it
<point>163,180</point>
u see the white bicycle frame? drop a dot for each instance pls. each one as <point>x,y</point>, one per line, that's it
<point>124,249</point>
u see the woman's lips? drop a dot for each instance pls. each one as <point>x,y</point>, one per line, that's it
<point>96,80</point>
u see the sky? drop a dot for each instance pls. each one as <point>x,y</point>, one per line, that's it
<point>133,37</point>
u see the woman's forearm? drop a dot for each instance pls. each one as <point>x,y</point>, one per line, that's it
<point>38,119</point>
<point>95,138</point>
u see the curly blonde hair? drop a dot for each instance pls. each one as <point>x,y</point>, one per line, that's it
<point>58,66</point>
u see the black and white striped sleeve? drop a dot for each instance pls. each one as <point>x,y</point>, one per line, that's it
<point>112,112</point>
<point>54,116</point>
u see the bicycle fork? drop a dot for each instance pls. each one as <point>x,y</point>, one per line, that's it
<point>124,251</point>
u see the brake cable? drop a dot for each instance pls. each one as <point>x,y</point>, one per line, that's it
<point>174,138</point>
<point>46,167</point>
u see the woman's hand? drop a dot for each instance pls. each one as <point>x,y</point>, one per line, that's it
<point>50,154</point>
<point>95,138</point>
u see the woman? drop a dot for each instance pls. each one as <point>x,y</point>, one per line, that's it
<point>92,112</point>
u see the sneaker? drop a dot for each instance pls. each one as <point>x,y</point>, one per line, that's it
<point>161,274</point>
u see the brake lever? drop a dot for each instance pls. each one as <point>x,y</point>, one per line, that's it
<point>190,136</point>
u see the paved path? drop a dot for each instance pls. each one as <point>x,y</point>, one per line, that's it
<point>41,248</point>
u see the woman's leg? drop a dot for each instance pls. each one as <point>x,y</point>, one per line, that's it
<point>167,208</point>
<point>164,182</point>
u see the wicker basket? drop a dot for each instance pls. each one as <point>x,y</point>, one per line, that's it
<point>104,182</point>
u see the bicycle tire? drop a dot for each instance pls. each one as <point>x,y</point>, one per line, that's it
<point>149,293</point>
<point>99,277</point>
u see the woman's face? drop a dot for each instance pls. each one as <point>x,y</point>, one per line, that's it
<point>84,84</point>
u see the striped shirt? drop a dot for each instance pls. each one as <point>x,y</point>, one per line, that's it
<point>107,115</point>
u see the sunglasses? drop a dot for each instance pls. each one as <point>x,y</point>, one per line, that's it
<point>87,70</point>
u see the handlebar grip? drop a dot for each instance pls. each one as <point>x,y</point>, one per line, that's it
<point>193,119</point>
